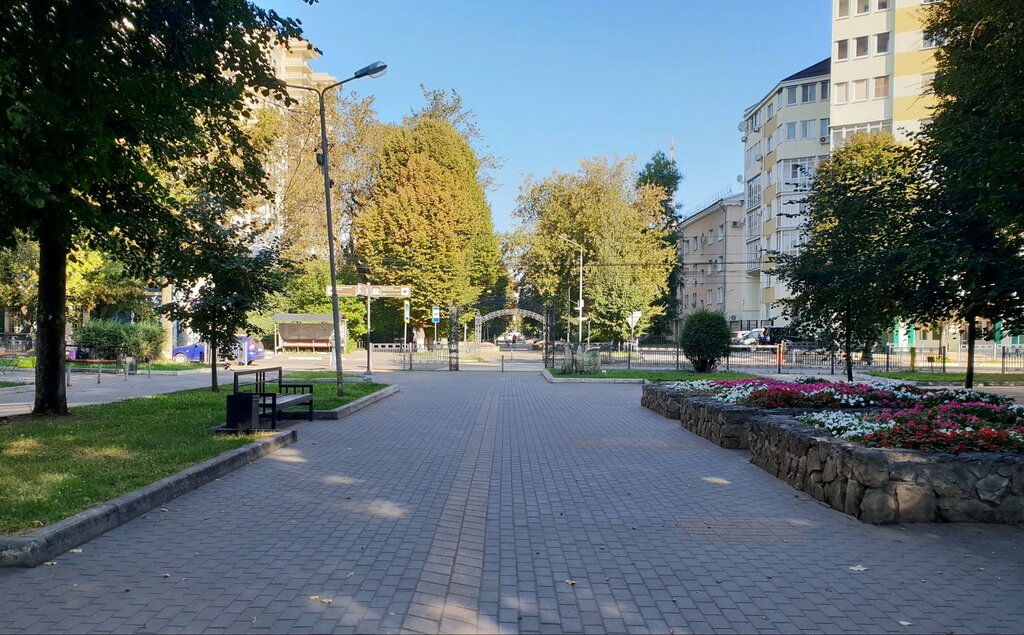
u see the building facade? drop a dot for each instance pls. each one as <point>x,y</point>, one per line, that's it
<point>785,136</point>
<point>711,249</point>
<point>882,68</point>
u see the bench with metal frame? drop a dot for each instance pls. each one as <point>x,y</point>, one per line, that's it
<point>274,394</point>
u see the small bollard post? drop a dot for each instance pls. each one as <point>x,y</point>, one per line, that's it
<point>502,363</point>
<point>99,373</point>
<point>778,358</point>
<point>68,371</point>
<point>149,369</point>
<point>126,363</point>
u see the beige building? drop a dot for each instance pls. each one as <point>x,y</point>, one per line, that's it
<point>785,137</point>
<point>291,65</point>
<point>882,67</point>
<point>711,249</point>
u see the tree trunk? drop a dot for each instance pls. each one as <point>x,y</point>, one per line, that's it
<point>51,393</point>
<point>972,334</point>
<point>848,344</point>
<point>213,366</point>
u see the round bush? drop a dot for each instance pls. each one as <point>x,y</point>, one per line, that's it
<point>705,339</point>
<point>107,339</point>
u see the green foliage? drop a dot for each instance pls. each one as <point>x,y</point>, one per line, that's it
<point>108,339</point>
<point>427,222</point>
<point>627,258</point>
<point>851,272</point>
<point>663,173</point>
<point>705,339</point>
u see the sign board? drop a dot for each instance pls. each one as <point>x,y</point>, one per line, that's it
<point>372,290</point>
<point>348,290</point>
<point>633,318</point>
<point>435,315</point>
<point>406,311</point>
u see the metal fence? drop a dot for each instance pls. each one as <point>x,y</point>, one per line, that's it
<point>396,357</point>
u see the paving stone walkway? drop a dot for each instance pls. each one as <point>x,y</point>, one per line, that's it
<point>499,502</point>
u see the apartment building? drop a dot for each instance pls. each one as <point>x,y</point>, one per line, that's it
<point>711,248</point>
<point>292,66</point>
<point>785,137</point>
<point>882,67</point>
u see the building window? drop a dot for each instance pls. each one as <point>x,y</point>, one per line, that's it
<point>883,5</point>
<point>930,42</point>
<point>807,128</point>
<point>842,50</point>
<point>860,89</point>
<point>754,192</point>
<point>790,131</point>
<point>808,93</point>
<point>791,95</point>
<point>882,43</point>
<point>861,46</point>
<point>824,91</point>
<point>771,111</point>
<point>863,6</point>
<point>840,93</point>
<point>823,131</point>
<point>881,87</point>
<point>844,8</point>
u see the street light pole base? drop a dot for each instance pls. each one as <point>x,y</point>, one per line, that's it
<point>368,377</point>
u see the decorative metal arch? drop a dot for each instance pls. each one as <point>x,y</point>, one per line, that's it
<point>480,319</point>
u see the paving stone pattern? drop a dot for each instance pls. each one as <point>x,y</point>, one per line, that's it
<point>498,502</point>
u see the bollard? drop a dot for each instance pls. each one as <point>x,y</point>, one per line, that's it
<point>149,370</point>
<point>778,358</point>
<point>126,370</point>
<point>68,371</point>
<point>99,373</point>
<point>502,363</point>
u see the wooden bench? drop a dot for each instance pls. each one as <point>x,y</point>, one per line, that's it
<point>274,394</point>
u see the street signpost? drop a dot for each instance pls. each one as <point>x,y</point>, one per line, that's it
<point>435,317</point>
<point>405,328</point>
<point>374,291</point>
<point>632,319</point>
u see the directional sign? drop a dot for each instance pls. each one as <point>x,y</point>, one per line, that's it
<point>633,318</point>
<point>407,311</point>
<point>372,290</point>
<point>348,290</point>
<point>435,315</point>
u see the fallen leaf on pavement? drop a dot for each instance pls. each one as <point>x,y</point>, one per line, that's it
<point>905,623</point>
<point>74,551</point>
<point>858,567</point>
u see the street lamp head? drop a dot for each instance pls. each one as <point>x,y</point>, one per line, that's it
<point>374,70</point>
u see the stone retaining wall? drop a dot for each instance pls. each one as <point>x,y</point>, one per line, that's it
<point>879,485</point>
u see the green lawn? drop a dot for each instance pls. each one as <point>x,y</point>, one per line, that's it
<point>325,395</point>
<point>655,375</point>
<point>10,384</point>
<point>143,366</point>
<point>54,467</point>
<point>907,375</point>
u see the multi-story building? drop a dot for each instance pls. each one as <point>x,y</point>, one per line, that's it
<point>785,137</point>
<point>882,67</point>
<point>711,248</point>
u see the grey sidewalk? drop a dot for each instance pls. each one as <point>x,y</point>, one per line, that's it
<point>499,502</point>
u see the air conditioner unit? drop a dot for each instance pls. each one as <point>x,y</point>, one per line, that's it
<point>743,138</point>
<point>823,139</point>
<point>733,318</point>
<point>737,223</point>
<point>759,157</point>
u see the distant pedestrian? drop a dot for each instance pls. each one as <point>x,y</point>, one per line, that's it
<point>514,339</point>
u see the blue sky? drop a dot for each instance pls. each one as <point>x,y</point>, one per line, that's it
<point>554,82</point>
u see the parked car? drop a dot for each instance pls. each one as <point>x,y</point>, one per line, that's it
<point>738,337</point>
<point>755,337</point>
<point>247,348</point>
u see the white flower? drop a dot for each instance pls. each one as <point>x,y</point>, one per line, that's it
<point>843,424</point>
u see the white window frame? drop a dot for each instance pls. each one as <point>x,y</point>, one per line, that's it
<point>841,90</point>
<point>866,87</point>
<point>888,43</point>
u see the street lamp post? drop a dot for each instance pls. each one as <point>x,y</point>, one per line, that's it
<point>373,70</point>
<point>579,330</point>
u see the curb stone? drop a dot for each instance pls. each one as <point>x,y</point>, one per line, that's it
<point>343,411</point>
<point>590,380</point>
<point>50,541</point>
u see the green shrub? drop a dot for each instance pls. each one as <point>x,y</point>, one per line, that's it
<point>705,339</point>
<point>107,339</point>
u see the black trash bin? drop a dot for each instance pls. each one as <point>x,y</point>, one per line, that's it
<point>243,412</point>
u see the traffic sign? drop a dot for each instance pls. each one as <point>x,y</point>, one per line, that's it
<point>435,315</point>
<point>407,311</point>
<point>633,318</point>
<point>348,290</point>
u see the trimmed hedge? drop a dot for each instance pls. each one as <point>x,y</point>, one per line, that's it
<point>705,339</point>
<point>107,339</point>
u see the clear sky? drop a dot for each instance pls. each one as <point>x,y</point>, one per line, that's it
<point>556,81</point>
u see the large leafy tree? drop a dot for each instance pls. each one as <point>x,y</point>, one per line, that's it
<point>662,172</point>
<point>973,228</point>
<point>427,222</point>
<point>112,110</point>
<point>627,259</point>
<point>848,275</point>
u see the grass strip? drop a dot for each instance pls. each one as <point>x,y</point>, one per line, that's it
<point>959,378</point>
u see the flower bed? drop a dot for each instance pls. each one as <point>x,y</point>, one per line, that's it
<point>951,427</point>
<point>811,392</point>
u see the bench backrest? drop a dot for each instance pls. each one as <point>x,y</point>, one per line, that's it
<point>264,380</point>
